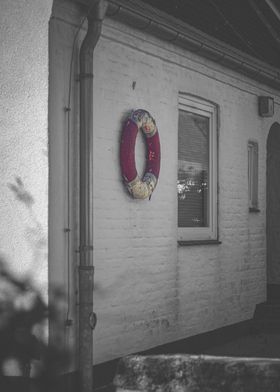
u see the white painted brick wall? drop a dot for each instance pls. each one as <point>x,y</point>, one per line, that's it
<point>149,291</point>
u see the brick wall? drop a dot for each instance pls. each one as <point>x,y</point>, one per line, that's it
<point>148,290</point>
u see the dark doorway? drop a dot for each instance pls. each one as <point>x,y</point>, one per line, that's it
<point>273,212</point>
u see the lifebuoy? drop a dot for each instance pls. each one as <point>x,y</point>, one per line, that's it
<point>140,188</point>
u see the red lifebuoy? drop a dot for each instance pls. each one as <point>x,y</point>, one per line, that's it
<point>140,188</point>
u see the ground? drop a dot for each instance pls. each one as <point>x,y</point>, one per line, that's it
<point>255,345</point>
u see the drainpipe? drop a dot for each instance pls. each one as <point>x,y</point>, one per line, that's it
<point>87,317</point>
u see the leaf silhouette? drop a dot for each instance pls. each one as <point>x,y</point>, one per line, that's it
<point>21,193</point>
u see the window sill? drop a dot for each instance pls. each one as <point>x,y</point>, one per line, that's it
<point>199,242</point>
<point>254,209</point>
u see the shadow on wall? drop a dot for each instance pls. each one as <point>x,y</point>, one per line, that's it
<point>35,233</point>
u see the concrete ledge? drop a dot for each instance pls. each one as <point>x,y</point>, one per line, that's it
<point>197,373</point>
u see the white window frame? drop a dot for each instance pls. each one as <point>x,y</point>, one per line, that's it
<point>253,176</point>
<point>208,109</point>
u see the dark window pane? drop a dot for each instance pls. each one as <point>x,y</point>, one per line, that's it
<point>253,174</point>
<point>193,170</point>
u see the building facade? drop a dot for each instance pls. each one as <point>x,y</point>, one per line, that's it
<point>154,282</point>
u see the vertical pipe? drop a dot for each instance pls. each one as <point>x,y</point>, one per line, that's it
<point>86,269</point>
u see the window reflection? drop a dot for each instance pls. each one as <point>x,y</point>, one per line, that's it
<point>193,169</point>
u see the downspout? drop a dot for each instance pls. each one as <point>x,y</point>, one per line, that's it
<point>95,17</point>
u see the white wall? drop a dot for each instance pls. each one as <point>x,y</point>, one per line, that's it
<point>148,291</point>
<point>24,136</point>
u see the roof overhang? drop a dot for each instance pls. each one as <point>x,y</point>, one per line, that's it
<point>144,17</point>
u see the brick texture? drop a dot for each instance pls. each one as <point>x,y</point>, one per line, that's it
<point>149,291</point>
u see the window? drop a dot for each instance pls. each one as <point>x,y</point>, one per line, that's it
<point>253,175</point>
<point>197,169</point>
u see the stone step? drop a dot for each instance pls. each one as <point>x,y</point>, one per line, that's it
<point>267,310</point>
<point>267,317</point>
<point>268,326</point>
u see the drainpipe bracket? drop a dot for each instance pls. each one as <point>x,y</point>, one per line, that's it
<point>92,320</point>
<point>85,248</point>
<point>86,267</point>
<point>85,76</point>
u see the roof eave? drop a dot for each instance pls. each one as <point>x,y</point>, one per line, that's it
<point>163,26</point>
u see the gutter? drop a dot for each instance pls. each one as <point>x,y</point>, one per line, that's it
<point>87,319</point>
<point>144,17</point>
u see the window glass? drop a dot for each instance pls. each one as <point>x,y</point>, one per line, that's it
<point>197,169</point>
<point>193,170</point>
<point>253,174</point>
